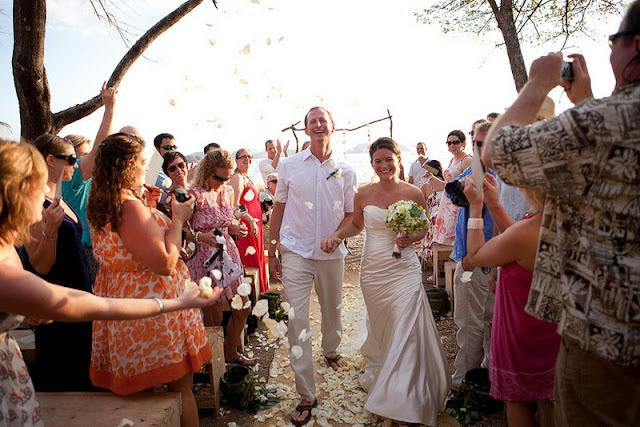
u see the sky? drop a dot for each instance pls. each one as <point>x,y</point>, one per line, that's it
<point>239,74</point>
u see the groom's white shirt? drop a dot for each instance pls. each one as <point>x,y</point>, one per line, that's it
<point>316,198</point>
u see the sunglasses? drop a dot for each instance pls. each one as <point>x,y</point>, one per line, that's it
<point>170,147</point>
<point>246,156</point>
<point>220,178</point>
<point>616,36</point>
<point>478,143</point>
<point>275,181</point>
<point>456,142</point>
<point>70,158</point>
<point>175,167</point>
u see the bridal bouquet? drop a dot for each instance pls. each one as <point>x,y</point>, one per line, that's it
<point>405,217</point>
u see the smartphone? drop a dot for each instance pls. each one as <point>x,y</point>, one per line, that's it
<point>430,169</point>
<point>242,208</point>
<point>567,71</point>
<point>180,195</point>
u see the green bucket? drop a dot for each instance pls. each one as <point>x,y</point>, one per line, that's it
<point>236,386</point>
<point>439,301</point>
<point>274,302</point>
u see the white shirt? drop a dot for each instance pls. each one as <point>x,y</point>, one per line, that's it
<point>416,171</point>
<point>316,197</point>
<point>265,168</point>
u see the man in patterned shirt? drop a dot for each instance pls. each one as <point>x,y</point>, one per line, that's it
<point>587,274</point>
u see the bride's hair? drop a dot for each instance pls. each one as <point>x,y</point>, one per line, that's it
<point>384,142</point>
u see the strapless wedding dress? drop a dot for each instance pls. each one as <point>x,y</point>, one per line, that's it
<point>405,375</point>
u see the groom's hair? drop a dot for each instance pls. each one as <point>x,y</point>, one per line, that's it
<point>384,142</point>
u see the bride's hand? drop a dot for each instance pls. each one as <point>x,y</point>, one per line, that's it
<point>330,244</point>
<point>403,240</point>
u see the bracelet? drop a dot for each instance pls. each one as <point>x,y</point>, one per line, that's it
<point>475,224</point>
<point>197,237</point>
<point>159,304</point>
<point>54,237</point>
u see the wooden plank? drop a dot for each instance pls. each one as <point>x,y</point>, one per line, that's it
<point>254,274</point>
<point>107,409</point>
<point>440,255</point>
<point>210,397</point>
<point>449,269</point>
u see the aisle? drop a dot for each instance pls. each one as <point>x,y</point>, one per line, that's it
<point>340,398</point>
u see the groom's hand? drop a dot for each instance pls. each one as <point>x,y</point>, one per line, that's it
<point>330,244</point>
<point>275,269</point>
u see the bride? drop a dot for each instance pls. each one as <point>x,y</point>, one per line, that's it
<point>405,374</point>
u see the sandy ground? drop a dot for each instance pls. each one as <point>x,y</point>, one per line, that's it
<point>340,399</point>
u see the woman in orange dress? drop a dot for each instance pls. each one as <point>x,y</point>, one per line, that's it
<point>138,250</point>
<point>251,247</point>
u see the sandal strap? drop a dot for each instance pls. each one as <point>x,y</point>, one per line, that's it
<point>308,407</point>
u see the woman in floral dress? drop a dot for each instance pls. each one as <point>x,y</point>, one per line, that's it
<point>433,189</point>
<point>214,212</point>
<point>23,174</point>
<point>138,249</point>
<point>445,223</point>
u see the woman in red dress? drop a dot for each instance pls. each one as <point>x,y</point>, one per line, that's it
<point>251,247</point>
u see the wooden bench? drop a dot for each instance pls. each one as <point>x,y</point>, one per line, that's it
<point>449,270</point>
<point>440,255</point>
<point>108,410</point>
<point>209,398</point>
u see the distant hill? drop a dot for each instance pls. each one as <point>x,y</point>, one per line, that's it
<point>364,148</point>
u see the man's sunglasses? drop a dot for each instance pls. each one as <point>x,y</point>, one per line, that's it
<point>456,142</point>
<point>616,36</point>
<point>174,167</point>
<point>170,147</point>
<point>220,178</point>
<point>478,143</point>
<point>246,156</point>
<point>70,158</point>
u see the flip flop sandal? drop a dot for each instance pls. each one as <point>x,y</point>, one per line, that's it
<point>241,360</point>
<point>301,409</point>
<point>330,361</point>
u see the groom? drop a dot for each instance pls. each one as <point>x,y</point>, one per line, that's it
<point>314,196</point>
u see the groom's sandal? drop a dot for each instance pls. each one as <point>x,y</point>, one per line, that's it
<point>301,408</point>
<point>336,362</point>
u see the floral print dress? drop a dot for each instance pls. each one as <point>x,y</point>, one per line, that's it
<point>444,228</point>
<point>18,404</point>
<point>134,355</point>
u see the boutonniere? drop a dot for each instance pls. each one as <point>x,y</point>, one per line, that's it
<point>337,173</point>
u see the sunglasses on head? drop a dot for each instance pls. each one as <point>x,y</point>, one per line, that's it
<point>170,147</point>
<point>478,143</point>
<point>70,158</point>
<point>174,167</point>
<point>220,178</point>
<point>456,142</point>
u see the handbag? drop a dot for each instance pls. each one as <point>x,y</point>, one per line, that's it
<point>228,270</point>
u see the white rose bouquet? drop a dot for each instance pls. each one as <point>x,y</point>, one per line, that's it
<point>405,217</point>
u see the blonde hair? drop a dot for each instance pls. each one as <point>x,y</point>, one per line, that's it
<point>211,161</point>
<point>535,198</point>
<point>77,140</point>
<point>23,175</point>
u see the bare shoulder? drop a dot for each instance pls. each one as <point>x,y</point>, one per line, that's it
<point>410,190</point>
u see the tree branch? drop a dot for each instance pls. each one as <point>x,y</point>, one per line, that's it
<point>62,118</point>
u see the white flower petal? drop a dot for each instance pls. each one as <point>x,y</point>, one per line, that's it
<point>291,313</point>
<point>282,327</point>
<point>269,323</point>
<point>261,308</point>
<point>309,205</point>
<point>205,282</point>
<point>250,250</point>
<point>237,303</point>
<point>274,242</point>
<point>206,292</point>
<point>247,304</point>
<point>303,335</point>
<point>217,274</point>
<point>244,289</point>
<point>249,195</point>
<point>296,352</point>
<point>125,422</point>
<point>285,306</point>
<point>466,276</point>
<point>166,183</point>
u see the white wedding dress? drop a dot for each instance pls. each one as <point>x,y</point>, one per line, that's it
<point>405,375</point>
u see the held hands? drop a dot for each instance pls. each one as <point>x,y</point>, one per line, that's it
<point>579,89</point>
<point>403,240</point>
<point>330,244</point>
<point>52,217</point>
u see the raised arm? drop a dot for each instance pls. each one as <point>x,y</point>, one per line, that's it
<point>109,99</point>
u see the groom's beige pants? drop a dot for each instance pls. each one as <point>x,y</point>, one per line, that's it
<point>298,277</point>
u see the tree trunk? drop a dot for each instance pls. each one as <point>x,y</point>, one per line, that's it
<point>29,75</point>
<point>504,18</point>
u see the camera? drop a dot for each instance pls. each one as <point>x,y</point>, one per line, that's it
<point>180,195</point>
<point>455,190</point>
<point>567,71</point>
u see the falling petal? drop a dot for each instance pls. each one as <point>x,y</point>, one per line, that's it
<point>172,102</point>
<point>269,323</point>
<point>309,205</point>
<point>247,304</point>
<point>261,308</point>
<point>126,422</point>
<point>236,71</point>
<point>206,292</point>
<point>282,327</point>
<point>166,183</point>
<point>249,195</point>
<point>217,274</point>
<point>303,335</point>
<point>274,242</point>
<point>285,306</point>
<point>244,82</point>
<point>281,39</point>
<point>244,289</point>
<point>206,281</point>
<point>291,313</point>
<point>247,280</point>
<point>237,303</point>
<point>212,42</point>
<point>339,306</point>
<point>268,41</point>
<point>246,49</point>
<point>296,352</point>
<point>250,251</point>
<point>466,276</point>
<point>337,205</point>
<point>219,125</point>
